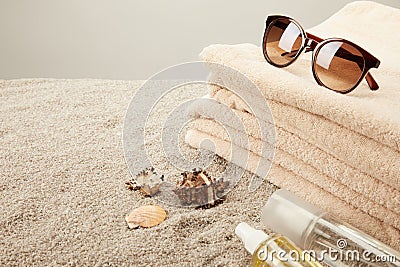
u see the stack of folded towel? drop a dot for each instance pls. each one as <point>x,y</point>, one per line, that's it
<point>339,152</point>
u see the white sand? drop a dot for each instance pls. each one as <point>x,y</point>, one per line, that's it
<point>62,188</point>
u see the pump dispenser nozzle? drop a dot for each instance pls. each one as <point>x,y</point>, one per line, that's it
<point>251,237</point>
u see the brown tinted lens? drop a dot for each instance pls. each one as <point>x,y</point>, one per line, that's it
<point>339,65</point>
<point>283,41</point>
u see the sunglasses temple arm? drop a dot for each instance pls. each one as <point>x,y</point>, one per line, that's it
<point>371,82</point>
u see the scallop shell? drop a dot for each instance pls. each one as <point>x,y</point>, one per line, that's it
<point>146,216</point>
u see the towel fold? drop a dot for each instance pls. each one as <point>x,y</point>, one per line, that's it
<point>358,151</point>
<point>301,187</point>
<point>336,186</point>
<point>306,152</point>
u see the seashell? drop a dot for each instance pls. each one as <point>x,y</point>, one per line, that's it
<point>148,181</point>
<point>146,216</point>
<point>197,188</point>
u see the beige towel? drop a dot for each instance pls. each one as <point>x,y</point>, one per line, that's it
<point>293,164</point>
<point>358,151</point>
<point>305,154</point>
<point>364,126</point>
<point>303,188</point>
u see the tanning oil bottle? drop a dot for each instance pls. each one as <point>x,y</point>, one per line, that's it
<point>274,250</point>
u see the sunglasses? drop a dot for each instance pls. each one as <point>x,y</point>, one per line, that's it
<point>337,64</point>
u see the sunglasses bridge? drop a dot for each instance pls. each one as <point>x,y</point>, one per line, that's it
<point>310,45</point>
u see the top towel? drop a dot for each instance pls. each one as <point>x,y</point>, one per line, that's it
<point>373,114</point>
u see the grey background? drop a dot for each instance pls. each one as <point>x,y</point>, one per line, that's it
<point>132,39</point>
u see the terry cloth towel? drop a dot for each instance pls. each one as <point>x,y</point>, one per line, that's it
<point>358,151</point>
<point>333,150</point>
<point>296,139</point>
<point>309,162</point>
<point>365,123</point>
<point>304,189</point>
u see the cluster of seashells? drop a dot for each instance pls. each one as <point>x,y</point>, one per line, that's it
<point>196,188</point>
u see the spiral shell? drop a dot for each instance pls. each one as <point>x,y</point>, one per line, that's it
<point>146,216</point>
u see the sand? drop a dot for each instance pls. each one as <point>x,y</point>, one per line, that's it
<point>62,186</point>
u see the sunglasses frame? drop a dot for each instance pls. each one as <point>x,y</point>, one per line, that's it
<point>314,44</point>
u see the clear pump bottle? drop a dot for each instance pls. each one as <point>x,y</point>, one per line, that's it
<point>273,250</point>
<point>334,242</point>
